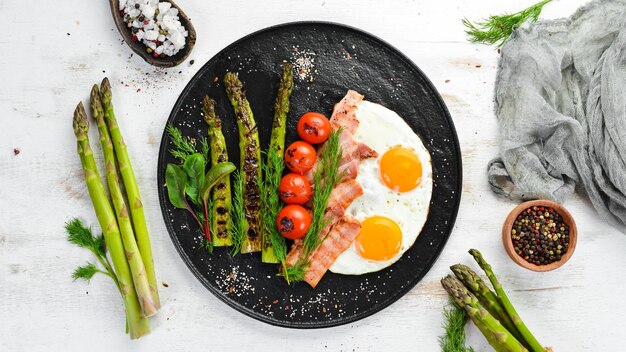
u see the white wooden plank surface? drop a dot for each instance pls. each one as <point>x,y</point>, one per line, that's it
<point>51,54</point>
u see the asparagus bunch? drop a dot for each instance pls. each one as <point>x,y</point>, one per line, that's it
<point>492,312</point>
<point>133,256</point>
<point>132,190</point>
<point>498,336</point>
<point>125,232</point>
<point>138,325</point>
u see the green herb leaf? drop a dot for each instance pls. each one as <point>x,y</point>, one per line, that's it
<point>184,146</point>
<point>205,149</point>
<point>238,221</point>
<point>176,180</point>
<point>454,338</point>
<point>101,246</point>
<point>85,272</point>
<point>194,168</point>
<point>497,29</point>
<point>212,176</point>
<point>271,204</point>
<point>80,235</point>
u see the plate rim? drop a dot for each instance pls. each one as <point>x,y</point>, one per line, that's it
<point>331,323</point>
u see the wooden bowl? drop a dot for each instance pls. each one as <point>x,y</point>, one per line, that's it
<point>140,49</point>
<point>508,242</point>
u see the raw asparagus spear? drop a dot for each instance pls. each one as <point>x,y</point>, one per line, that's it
<point>250,155</point>
<point>221,192</point>
<point>498,336</point>
<point>277,144</point>
<point>529,338</point>
<point>133,256</point>
<point>487,298</point>
<point>132,191</point>
<point>137,324</point>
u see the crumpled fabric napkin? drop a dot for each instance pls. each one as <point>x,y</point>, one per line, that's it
<point>560,101</point>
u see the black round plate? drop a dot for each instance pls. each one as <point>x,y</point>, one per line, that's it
<point>343,58</point>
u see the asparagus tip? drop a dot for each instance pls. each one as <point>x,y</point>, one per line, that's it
<point>105,90</point>
<point>80,123</point>
<point>209,106</point>
<point>95,102</point>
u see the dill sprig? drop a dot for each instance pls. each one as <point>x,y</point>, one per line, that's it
<point>237,218</point>
<point>272,167</point>
<point>205,149</point>
<point>82,236</point>
<point>498,28</point>
<point>184,146</point>
<point>454,338</point>
<point>325,178</point>
<point>206,244</point>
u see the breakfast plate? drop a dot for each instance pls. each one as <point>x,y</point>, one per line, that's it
<point>329,59</point>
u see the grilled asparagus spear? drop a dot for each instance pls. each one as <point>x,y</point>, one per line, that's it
<point>277,144</point>
<point>250,155</point>
<point>221,192</point>
<point>281,109</point>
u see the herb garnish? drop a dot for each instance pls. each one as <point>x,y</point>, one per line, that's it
<point>325,179</point>
<point>190,183</point>
<point>497,29</point>
<point>272,167</point>
<point>237,218</point>
<point>454,338</point>
<point>80,235</point>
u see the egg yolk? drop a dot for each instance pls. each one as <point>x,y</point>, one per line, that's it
<point>380,238</point>
<point>401,169</point>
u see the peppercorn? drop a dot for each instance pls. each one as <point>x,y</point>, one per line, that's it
<point>540,235</point>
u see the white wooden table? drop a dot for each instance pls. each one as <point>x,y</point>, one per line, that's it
<point>53,51</point>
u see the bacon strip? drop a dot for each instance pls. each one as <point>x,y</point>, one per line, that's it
<point>338,240</point>
<point>352,151</point>
<point>340,199</point>
<point>344,112</point>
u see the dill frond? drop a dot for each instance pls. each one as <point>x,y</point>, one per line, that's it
<point>237,217</point>
<point>85,272</point>
<point>205,149</point>
<point>454,326</point>
<point>80,235</point>
<point>184,146</point>
<point>272,168</point>
<point>497,29</point>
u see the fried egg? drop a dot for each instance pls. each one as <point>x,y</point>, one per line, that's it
<point>397,187</point>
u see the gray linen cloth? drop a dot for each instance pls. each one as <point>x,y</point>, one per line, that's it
<point>560,101</point>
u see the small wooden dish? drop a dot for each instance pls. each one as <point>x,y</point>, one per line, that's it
<point>140,49</point>
<point>508,242</point>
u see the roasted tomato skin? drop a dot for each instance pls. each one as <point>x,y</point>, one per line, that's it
<point>293,221</point>
<point>300,157</point>
<point>294,189</point>
<point>314,128</point>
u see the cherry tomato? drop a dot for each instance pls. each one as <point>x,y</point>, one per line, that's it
<point>293,221</point>
<point>314,128</point>
<point>294,189</point>
<point>300,157</point>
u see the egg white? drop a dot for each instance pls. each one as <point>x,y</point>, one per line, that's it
<point>382,129</point>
